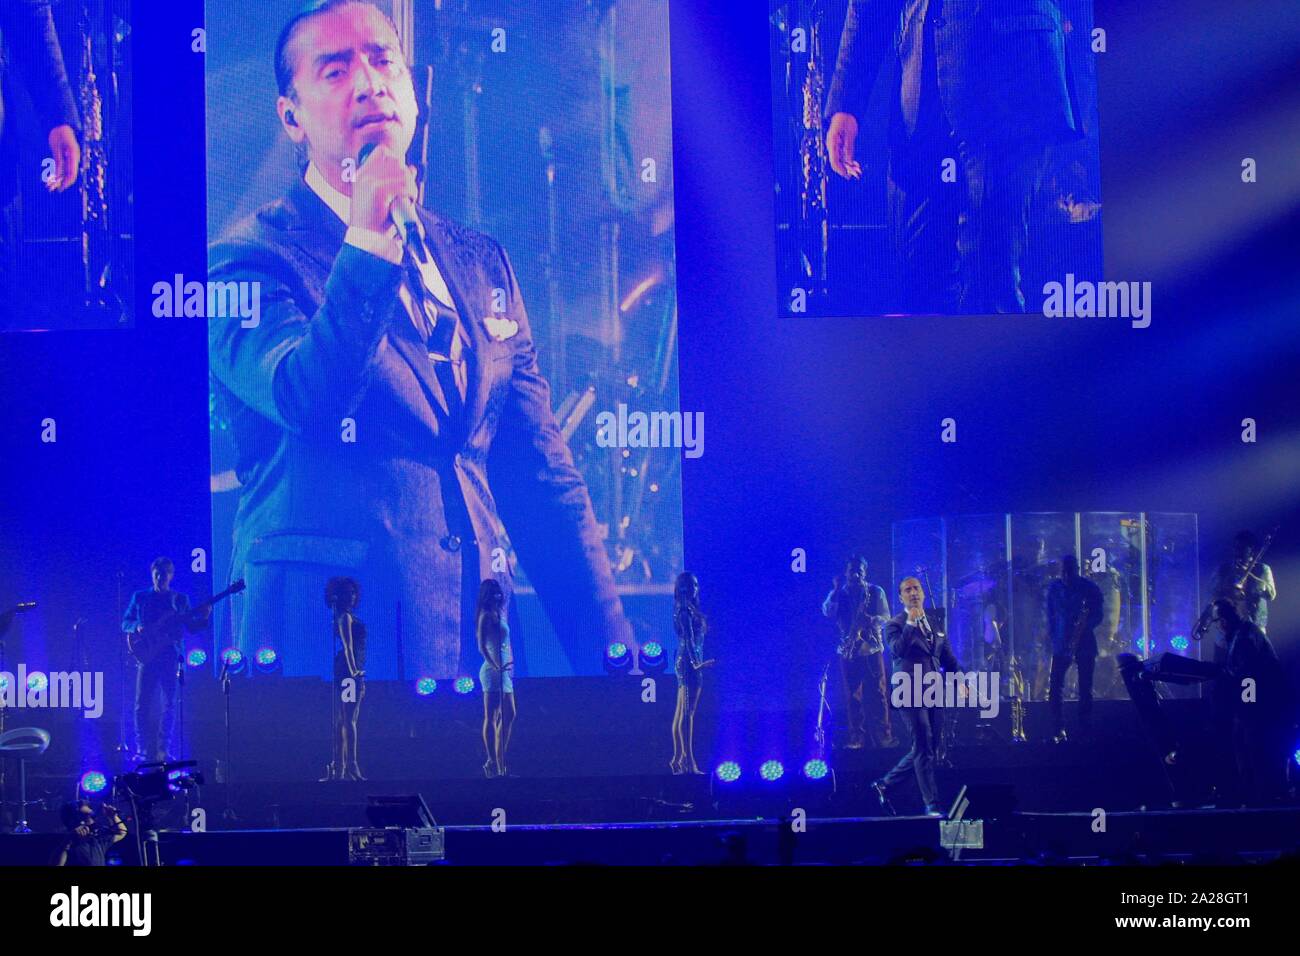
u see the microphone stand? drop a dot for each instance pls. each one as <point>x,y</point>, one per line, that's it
<point>227,814</point>
<point>823,709</point>
<point>122,750</point>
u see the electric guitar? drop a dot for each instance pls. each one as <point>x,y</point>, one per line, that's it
<point>151,641</point>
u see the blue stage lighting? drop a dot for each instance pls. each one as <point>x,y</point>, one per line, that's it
<point>616,651</point>
<point>816,769</point>
<point>425,686</point>
<point>1178,642</point>
<point>1296,757</point>
<point>728,771</point>
<point>37,681</point>
<point>266,658</point>
<point>464,685</point>
<point>196,657</point>
<point>651,652</point>
<point>771,770</point>
<point>92,781</point>
<point>233,658</point>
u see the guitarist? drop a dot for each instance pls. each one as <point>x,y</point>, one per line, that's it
<point>157,680</point>
<point>1074,609</point>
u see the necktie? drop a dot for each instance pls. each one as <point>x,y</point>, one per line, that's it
<point>438,324</point>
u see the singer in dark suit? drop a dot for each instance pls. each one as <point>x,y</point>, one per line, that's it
<point>983,82</point>
<point>916,641</point>
<point>31,54</point>
<point>388,409</point>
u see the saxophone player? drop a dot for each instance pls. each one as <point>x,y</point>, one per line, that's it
<point>860,610</point>
<point>1074,609</point>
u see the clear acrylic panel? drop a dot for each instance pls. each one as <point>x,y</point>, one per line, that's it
<point>977,582</point>
<point>1038,542</point>
<point>1112,556</point>
<point>918,551</point>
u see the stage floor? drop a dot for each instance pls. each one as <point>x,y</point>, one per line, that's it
<point>1128,838</point>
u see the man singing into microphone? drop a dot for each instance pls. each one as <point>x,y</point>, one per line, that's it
<point>918,647</point>
<point>384,384</point>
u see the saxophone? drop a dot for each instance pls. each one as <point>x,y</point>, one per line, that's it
<point>1016,694</point>
<point>814,221</point>
<point>96,245</point>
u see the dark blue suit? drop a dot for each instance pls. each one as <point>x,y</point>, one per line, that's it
<point>32,55</point>
<point>982,82</point>
<point>916,653</point>
<point>416,505</point>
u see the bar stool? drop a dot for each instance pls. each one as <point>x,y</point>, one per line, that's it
<point>23,743</point>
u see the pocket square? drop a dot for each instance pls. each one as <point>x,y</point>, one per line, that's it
<point>501,328</point>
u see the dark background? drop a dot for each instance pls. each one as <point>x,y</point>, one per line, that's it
<point>820,432</point>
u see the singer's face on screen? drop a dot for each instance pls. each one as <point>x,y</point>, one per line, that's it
<point>351,87</point>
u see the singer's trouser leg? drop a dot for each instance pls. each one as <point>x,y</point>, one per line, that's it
<point>926,724</point>
<point>922,219</point>
<point>928,729</point>
<point>1000,180</point>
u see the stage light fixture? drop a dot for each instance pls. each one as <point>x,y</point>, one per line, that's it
<point>266,659</point>
<point>37,681</point>
<point>654,658</point>
<point>728,771</point>
<point>771,770</point>
<point>464,685</point>
<point>93,781</point>
<point>816,769</point>
<point>196,657</point>
<point>233,659</point>
<point>425,686</point>
<point>618,657</point>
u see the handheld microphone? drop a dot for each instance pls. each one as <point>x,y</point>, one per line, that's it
<point>401,211</point>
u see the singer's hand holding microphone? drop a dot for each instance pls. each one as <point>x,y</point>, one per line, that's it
<point>383,184</point>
